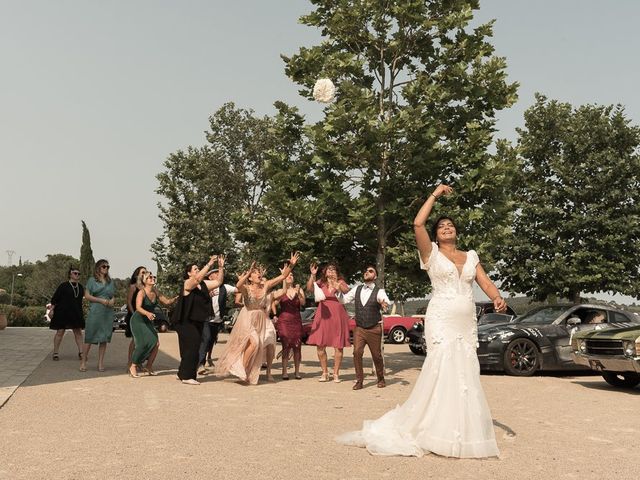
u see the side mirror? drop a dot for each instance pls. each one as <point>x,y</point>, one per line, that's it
<point>574,321</point>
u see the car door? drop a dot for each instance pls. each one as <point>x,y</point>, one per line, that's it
<point>590,319</point>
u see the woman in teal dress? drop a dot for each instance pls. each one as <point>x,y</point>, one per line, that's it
<point>99,291</point>
<point>145,336</point>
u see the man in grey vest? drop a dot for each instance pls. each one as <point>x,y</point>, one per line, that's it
<point>369,300</point>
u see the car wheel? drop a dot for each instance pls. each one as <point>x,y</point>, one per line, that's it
<point>397,335</point>
<point>417,350</point>
<point>622,380</point>
<point>521,358</point>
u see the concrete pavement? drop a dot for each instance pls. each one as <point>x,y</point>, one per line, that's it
<point>21,351</point>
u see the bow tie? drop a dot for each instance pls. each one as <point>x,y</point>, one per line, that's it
<point>370,287</point>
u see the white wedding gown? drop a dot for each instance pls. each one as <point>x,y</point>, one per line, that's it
<point>446,413</point>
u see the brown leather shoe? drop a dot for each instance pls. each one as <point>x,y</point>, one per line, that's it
<point>357,386</point>
<point>381,383</point>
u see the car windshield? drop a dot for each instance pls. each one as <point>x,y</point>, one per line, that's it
<point>494,318</point>
<point>542,315</point>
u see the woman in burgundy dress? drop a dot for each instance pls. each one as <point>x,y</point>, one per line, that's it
<point>289,324</point>
<point>330,326</point>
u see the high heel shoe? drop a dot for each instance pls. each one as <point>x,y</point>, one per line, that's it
<point>134,375</point>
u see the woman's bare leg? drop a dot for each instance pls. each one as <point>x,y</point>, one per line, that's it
<point>102,348</point>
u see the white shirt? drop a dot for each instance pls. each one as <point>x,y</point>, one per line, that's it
<point>215,294</point>
<point>365,293</point>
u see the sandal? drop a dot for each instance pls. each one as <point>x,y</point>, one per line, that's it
<point>324,377</point>
<point>55,357</point>
<point>297,376</point>
<point>83,368</point>
<point>285,376</point>
<point>191,381</point>
<point>336,379</point>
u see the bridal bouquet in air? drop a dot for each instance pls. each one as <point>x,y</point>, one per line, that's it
<point>324,91</point>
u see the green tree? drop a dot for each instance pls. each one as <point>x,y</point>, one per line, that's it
<point>47,275</point>
<point>577,222</point>
<point>87,262</point>
<point>204,189</point>
<point>418,90</point>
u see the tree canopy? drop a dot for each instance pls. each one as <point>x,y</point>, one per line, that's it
<point>577,217</point>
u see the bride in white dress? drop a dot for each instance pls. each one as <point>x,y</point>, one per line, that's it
<point>446,413</point>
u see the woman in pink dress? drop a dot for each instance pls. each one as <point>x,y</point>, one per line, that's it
<point>253,338</point>
<point>289,325</point>
<point>330,326</point>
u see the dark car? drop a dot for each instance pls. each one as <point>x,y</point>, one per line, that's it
<point>161,322</point>
<point>118,318</point>
<point>541,338</point>
<point>494,318</point>
<point>484,313</point>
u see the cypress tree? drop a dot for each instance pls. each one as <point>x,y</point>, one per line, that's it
<point>87,261</point>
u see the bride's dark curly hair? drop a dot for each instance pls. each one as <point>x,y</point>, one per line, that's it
<point>434,227</point>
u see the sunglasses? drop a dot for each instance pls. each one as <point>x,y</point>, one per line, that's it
<point>370,270</point>
<point>105,266</point>
<point>75,273</point>
<point>153,276</point>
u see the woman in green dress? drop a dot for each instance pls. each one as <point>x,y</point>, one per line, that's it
<point>145,336</point>
<point>99,291</point>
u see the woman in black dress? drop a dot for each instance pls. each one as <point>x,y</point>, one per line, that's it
<point>192,311</point>
<point>67,311</point>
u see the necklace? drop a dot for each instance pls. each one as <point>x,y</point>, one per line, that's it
<point>76,289</point>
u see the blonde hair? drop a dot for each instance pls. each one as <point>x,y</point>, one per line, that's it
<point>141,279</point>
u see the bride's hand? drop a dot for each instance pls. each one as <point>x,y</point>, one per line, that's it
<point>441,190</point>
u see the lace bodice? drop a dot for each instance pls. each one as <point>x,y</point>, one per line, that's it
<point>446,281</point>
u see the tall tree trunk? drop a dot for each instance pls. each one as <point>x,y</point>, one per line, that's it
<point>575,297</point>
<point>381,243</point>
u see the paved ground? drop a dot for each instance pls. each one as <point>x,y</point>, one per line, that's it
<point>65,424</point>
<point>21,351</point>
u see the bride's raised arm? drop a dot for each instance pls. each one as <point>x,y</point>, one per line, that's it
<point>422,236</point>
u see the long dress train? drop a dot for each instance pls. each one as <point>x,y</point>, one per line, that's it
<point>447,412</point>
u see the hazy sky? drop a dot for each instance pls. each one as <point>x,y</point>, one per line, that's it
<point>95,94</point>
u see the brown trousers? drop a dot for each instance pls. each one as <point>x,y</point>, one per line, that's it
<point>372,338</point>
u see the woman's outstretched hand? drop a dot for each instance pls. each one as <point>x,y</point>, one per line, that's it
<point>441,190</point>
<point>313,268</point>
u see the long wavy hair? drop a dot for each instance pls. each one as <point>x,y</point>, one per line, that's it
<point>135,275</point>
<point>323,272</point>
<point>96,270</point>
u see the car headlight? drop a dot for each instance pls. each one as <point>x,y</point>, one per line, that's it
<point>582,346</point>
<point>629,348</point>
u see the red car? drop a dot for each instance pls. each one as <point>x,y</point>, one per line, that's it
<point>395,327</point>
